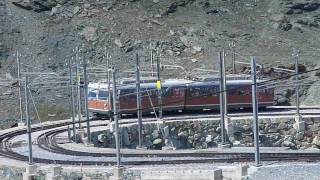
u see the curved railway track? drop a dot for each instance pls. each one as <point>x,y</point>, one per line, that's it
<point>46,141</point>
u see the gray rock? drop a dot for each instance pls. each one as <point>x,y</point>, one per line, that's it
<point>185,41</point>
<point>118,43</point>
<point>89,33</point>
<point>125,137</point>
<point>157,141</point>
<point>282,126</point>
<point>166,131</point>
<point>155,134</point>
<point>76,9</point>
<point>316,141</point>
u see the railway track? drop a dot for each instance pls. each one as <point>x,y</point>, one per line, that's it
<point>46,141</point>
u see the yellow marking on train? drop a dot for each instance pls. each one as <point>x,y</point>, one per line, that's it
<point>158,84</point>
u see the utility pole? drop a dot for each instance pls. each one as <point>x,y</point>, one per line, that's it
<point>26,92</point>
<point>20,87</point>
<point>72,101</point>
<point>78,86</point>
<point>115,117</point>
<point>86,100</point>
<point>139,110</point>
<point>255,110</point>
<point>159,87</point>
<point>222,98</point>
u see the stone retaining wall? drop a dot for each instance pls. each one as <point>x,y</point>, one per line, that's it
<point>274,132</point>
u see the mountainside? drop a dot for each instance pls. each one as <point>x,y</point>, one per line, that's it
<point>188,33</point>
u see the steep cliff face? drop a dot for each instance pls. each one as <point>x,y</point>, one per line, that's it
<point>185,32</point>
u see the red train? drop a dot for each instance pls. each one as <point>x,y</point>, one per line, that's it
<point>178,95</point>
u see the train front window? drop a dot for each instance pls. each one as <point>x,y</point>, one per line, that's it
<point>92,94</point>
<point>103,95</point>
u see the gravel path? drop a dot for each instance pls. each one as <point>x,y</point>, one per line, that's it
<point>288,172</point>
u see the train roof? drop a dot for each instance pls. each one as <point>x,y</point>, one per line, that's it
<point>175,82</point>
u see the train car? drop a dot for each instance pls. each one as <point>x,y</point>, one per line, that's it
<point>177,95</point>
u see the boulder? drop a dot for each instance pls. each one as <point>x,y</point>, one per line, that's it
<point>282,126</point>
<point>155,134</point>
<point>157,141</point>
<point>118,43</point>
<point>316,141</point>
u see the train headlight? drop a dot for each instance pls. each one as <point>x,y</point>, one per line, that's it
<point>104,106</point>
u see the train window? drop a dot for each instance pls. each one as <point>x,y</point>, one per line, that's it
<point>242,92</point>
<point>92,94</point>
<point>175,92</point>
<point>103,95</point>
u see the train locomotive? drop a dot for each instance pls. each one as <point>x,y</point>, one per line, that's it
<point>177,95</point>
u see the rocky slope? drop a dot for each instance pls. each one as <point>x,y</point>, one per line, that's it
<point>188,33</point>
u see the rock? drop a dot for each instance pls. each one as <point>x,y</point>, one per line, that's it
<point>23,4</point>
<point>285,26</point>
<point>166,131</point>
<point>292,131</point>
<point>101,138</point>
<point>288,144</point>
<point>300,136</point>
<point>313,128</point>
<point>125,137</point>
<point>86,5</point>
<point>307,6</point>
<point>89,33</point>
<point>183,134</point>
<point>54,11</point>
<point>157,141</point>
<point>76,10</point>
<point>155,134</point>
<point>129,49</point>
<point>316,141</point>
<point>185,41</point>
<point>282,126</point>
<point>194,60</point>
<point>208,139</point>
<point>278,18</point>
<point>118,43</point>
<point>171,32</point>
<point>196,49</point>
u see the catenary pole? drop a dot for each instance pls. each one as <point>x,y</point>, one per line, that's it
<point>222,101</point>
<point>78,86</point>
<point>26,92</point>
<point>139,109</point>
<point>159,87</point>
<point>20,87</point>
<point>152,64</point>
<point>86,100</point>
<point>115,117</point>
<point>233,45</point>
<point>296,55</point>
<point>109,86</point>
<point>225,98</point>
<point>255,111</point>
<point>72,101</point>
